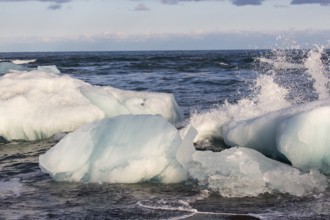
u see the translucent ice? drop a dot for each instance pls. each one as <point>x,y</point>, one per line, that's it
<point>49,69</point>
<point>130,149</point>
<point>239,172</point>
<point>304,139</point>
<point>260,133</point>
<point>6,67</point>
<point>124,149</point>
<point>38,104</point>
<point>115,101</point>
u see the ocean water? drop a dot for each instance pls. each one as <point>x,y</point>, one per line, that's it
<point>205,84</point>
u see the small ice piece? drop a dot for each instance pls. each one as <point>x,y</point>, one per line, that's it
<point>123,149</point>
<point>304,139</point>
<point>240,172</point>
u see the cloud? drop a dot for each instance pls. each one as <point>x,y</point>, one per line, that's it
<point>55,4</point>
<point>300,2</point>
<point>234,2</point>
<point>113,41</point>
<point>55,7</point>
<point>52,1</point>
<point>247,2</point>
<point>253,2</point>
<point>141,7</point>
<point>170,2</point>
<point>173,2</point>
<point>281,6</point>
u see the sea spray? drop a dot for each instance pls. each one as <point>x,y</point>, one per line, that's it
<point>296,69</point>
<point>280,59</point>
<point>317,72</point>
<point>209,124</point>
<point>278,86</point>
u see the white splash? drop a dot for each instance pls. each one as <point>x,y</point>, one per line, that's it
<point>210,124</point>
<point>23,61</point>
<point>317,71</point>
<point>269,95</point>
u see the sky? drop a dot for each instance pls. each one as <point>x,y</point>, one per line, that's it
<point>120,25</point>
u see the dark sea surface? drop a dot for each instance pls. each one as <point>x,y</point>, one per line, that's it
<point>199,80</point>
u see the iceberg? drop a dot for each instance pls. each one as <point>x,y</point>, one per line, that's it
<point>39,104</point>
<point>241,172</point>
<point>123,149</point>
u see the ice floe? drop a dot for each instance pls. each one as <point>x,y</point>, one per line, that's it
<point>131,149</point>
<point>239,172</point>
<point>123,149</point>
<point>38,104</point>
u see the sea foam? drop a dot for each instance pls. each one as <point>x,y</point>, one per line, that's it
<point>23,61</point>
